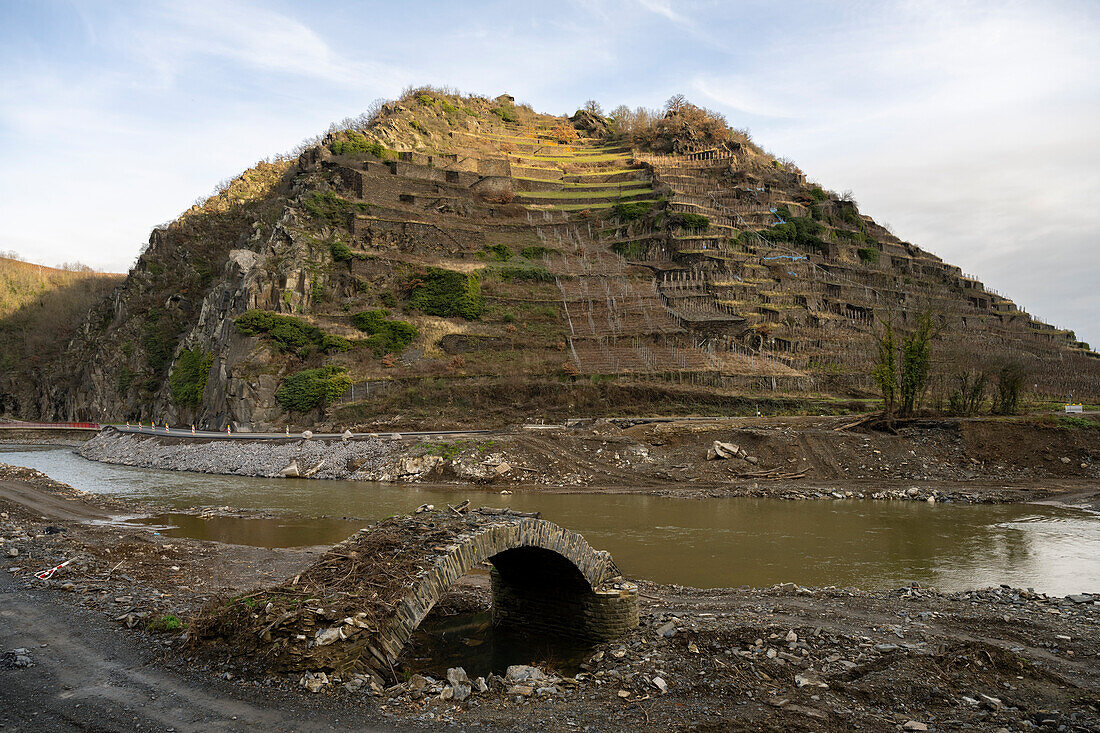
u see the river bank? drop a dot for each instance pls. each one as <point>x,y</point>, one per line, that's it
<point>779,658</point>
<point>973,460</point>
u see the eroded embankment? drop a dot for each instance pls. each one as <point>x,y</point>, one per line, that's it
<point>956,460</point>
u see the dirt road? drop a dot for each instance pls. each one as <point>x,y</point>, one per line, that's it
<point>86,676</point>
<point>49,505</point>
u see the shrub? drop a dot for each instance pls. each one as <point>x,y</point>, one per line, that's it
<point>356,144</point>
<point>330,208</point>
<point>499,252</point>
<point>507,113</point>
<point>694,222</point>
<point>968,397</point>
<point>850,215</point>
<point>800,230</point>
<point>388,299</point>
<point>564,133</point>
<point>166,623</point>
<point>126,377</point>
<point>868,254</point>
<point>631,210</point>
<point>386,336</point>
<point>818,194</point>
<point>629,250</point>
<point>188,378</point>
<point>916,363</point>
<point>340,251</point>
<point>904,366</point>
<point>158,338</point>
<point>535,252</point>
<point>525,274</point>
<point>429,101</point>
<point>310,388</point>
<point>857,237</point>
<point>289,333</point>
<point>1010,383</point>
<point>446,293</point>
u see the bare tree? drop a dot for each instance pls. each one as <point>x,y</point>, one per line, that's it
<point>594,107</point>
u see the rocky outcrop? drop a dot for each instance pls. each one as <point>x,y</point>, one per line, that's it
<point>278,273</point>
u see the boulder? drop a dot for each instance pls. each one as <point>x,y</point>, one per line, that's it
<point>459,682</point>
<point>291,470</point>
<point>722,451</point>
<point>523,673</point>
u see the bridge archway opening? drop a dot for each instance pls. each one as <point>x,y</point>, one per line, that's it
<point>542,605</point>
<point>526,605</point>
<point>540,592</point>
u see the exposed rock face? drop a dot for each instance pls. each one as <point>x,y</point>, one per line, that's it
<point>277,277</point>
<point>590,124</point>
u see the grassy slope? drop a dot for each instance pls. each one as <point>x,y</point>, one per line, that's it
<point>39,309</point>
<point>23,283</point>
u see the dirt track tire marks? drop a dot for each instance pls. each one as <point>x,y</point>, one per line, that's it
<point>93,677</point>
<point>49,505</point>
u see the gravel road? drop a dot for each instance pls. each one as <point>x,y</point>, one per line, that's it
<point>86,676</point>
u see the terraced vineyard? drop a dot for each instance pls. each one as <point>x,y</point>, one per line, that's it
<point>721,296</point>
<point>462,253</point>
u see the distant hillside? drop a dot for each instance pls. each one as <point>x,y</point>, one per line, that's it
<point>40,308</point>
<point>464,260</point>
<point>22,283</point>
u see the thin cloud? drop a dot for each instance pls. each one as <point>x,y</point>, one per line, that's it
<point>264,40</point>
<point>664,9</point>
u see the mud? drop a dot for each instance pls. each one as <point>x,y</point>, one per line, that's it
<point>782,658</point>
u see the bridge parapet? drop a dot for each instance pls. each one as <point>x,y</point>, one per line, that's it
<point>356,608</point>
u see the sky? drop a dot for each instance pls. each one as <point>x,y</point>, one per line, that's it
<point>971,128</point>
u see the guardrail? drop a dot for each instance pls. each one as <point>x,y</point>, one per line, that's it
<point>49,426</point>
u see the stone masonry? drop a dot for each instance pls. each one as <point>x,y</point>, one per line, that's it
<point>546,580</point>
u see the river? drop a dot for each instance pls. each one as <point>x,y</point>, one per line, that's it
<point>697,542</point>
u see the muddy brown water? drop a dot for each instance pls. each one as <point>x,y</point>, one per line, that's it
<point>696,542</point>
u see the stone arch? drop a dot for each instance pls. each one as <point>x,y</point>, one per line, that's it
<point>544,577</point>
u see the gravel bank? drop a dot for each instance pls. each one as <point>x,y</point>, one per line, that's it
<point>369,459</point>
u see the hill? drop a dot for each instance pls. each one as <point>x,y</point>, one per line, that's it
<point>458,260</point>
<point>40,307</point>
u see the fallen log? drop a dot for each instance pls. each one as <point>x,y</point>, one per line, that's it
<point>493,511</point>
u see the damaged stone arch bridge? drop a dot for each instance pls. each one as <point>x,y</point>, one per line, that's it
<point>357,607</point>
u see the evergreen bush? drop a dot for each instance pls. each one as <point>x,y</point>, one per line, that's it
<point>188,378</point>
<point>868,254</point>
<point>386,336</point>
<point>290,334</point>
<point>694,222</point>
<point>631,210</point>
<point>310,388</point>
<point>446,293</point>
